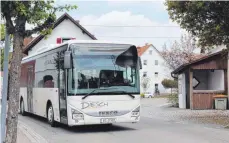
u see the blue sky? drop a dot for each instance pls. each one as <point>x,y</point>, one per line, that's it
<point>127,13</point>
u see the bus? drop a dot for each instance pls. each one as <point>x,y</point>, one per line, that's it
<point>82,82</point>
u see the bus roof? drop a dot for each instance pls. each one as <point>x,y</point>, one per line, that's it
<point>75,42</point>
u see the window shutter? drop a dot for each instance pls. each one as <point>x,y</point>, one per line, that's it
<point>58,40</point>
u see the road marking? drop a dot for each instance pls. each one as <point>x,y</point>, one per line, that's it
<point>31,134</point>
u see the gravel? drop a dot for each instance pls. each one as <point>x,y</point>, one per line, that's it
<point>152,109</point>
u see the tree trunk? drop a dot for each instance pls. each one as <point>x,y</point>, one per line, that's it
<point>14,89</point>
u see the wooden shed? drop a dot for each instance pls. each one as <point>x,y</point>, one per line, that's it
<point>202,79</point>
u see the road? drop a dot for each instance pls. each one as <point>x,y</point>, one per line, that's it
<point>148,130</point>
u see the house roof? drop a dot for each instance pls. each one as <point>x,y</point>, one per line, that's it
<point>58,21</point>
<point>27,40</point>
<point>141,50</point>
<point>184,66</point>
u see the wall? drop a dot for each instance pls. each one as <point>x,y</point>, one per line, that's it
<point>182,91</point>
<point>216,80</point>
<point>202,77</point>
<point>151,68</point>
<point>64,29</point>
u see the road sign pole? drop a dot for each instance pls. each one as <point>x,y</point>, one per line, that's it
<point>5,86</point>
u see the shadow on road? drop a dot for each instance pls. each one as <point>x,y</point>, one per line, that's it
<point>84,128</point>
<point>96,128</point>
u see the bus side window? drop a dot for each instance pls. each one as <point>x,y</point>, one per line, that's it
<point>48,81</point>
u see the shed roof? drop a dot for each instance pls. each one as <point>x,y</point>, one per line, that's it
<point>184,66</point>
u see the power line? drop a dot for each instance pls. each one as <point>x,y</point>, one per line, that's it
<point>169,26</point>
<point>135,37</point>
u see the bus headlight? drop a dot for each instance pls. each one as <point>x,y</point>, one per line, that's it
<point>135,112</point>
<point>76,115</point>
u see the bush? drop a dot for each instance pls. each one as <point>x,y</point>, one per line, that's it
<point>173,98</point>
<point>142,95</point>
<point>168,83</point>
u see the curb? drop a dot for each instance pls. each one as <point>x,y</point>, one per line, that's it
<point>31,134</point>
<point>166,105</point>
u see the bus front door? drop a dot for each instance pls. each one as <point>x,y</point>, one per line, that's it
<point>62,96</point>
<point>30,89</point>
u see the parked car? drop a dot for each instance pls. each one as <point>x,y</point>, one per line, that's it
<point>148,95</point>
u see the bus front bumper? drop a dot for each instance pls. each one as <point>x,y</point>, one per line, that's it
<point>89,120</point>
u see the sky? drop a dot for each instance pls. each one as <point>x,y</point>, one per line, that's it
<point>156,26</point>
<point>138,22</point>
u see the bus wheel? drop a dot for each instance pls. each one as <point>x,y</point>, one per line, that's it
<point>50,116</point>
<point>22,108</point>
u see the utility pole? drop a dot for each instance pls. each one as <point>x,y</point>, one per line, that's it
<point>5,87</point>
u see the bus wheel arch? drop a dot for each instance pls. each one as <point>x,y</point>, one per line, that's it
<point>50,113</point>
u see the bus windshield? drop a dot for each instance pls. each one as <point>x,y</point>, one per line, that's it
<point>99,71</point>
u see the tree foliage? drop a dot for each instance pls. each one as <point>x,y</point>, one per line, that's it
<point>145,83</point>
<point>168,83</point>
<point>206,20</point>
<point>180,52</point>
<point>2,58</point>
<point>41,15</point>
<point>2,26</point>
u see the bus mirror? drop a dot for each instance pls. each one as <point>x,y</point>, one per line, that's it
<point>129,58</point>
<point>67,60</point>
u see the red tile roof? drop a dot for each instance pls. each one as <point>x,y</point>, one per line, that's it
<point>28,40</point>
<point>141,50</point>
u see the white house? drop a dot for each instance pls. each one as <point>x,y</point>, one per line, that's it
<point>65,28</point>
<point>154,68</point>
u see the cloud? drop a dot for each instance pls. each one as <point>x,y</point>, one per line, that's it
<point>167,30</point>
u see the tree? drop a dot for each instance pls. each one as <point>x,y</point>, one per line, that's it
<point>206,20</point>
<point>168,83</point>
<point>145,83</point>
<point>40,14</point>
<point>181,52</point>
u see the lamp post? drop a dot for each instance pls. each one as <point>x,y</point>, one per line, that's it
<point>5,87</point>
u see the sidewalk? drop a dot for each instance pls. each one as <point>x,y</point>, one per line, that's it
<point>22,138</point>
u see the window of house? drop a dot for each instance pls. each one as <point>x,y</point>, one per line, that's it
<point>156,62</point>
<point>150,52</point>
<point>145,62</point>
<point>156,74</point>
<point>144,74</point>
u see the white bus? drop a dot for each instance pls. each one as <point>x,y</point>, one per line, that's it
<point>82,83</point>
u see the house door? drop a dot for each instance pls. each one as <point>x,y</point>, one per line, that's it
<point>30,81</point>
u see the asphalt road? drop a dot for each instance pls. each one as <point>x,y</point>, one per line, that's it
<point>148,130</point>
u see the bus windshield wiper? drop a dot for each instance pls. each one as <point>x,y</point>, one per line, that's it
<point>96,90</point>
<point>126,93</point>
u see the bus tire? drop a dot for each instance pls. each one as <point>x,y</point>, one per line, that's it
<point>22,108</point>
<point>50,115</point>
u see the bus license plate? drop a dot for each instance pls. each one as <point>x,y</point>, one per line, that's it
<point>107,120</point>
